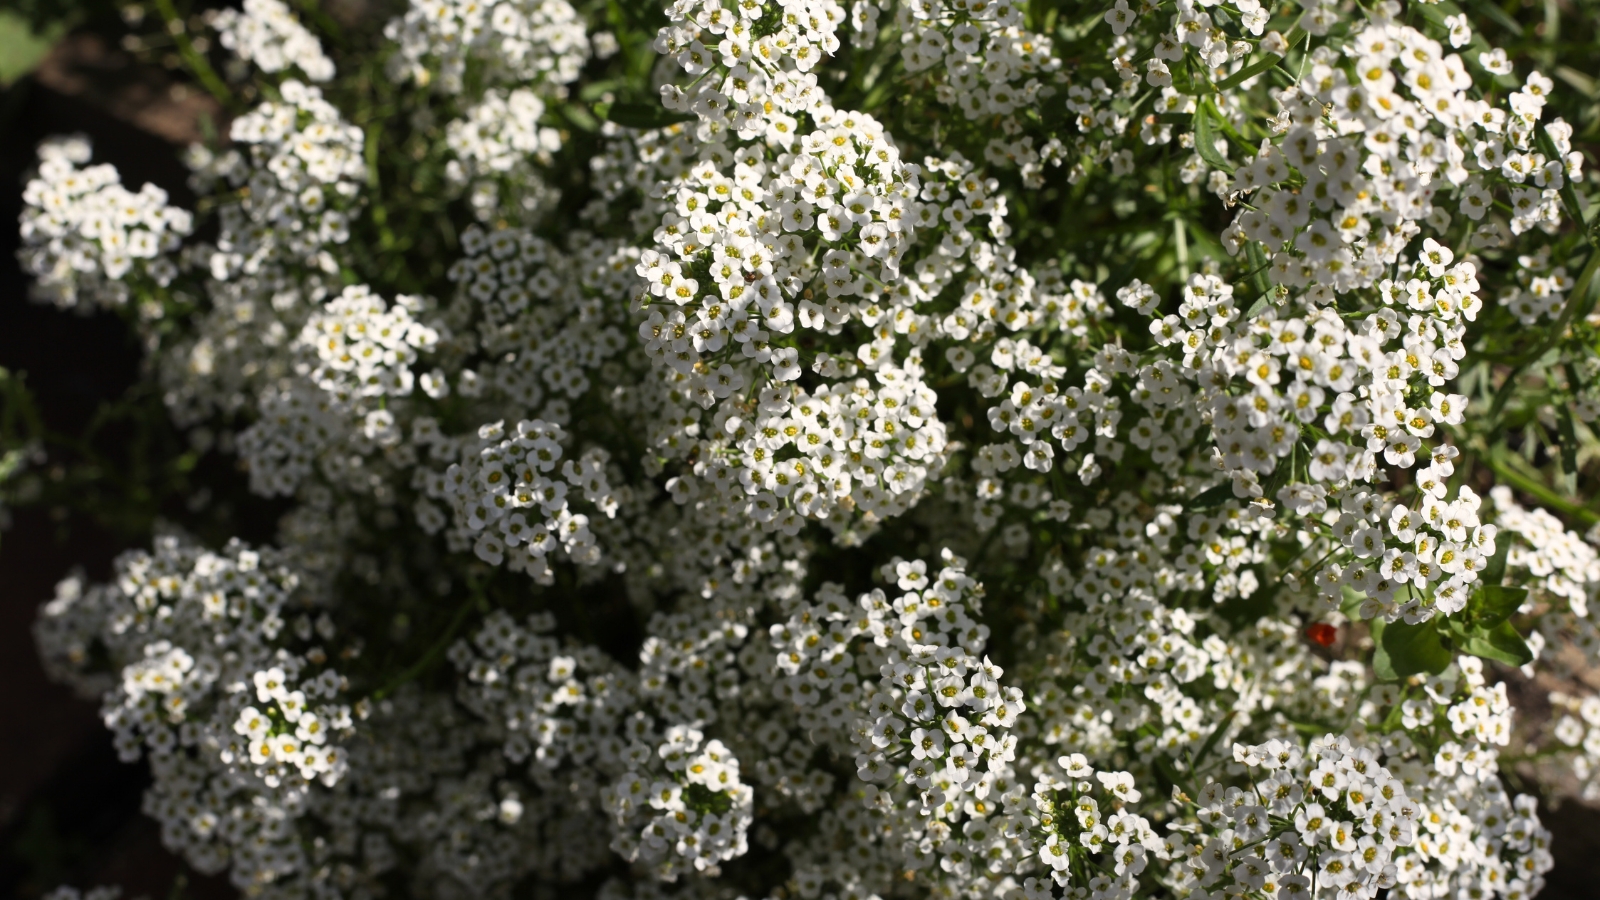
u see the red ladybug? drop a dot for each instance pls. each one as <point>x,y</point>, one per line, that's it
<point>1322,634</point>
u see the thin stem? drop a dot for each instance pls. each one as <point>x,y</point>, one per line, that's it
<point>1538,489</point>
<point>191,57</point>
<point>433,652</point>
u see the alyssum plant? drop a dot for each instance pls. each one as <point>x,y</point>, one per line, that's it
<point>958,448</point>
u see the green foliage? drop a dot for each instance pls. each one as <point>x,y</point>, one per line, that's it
<point>1484,628</point>
<point>21,46</point>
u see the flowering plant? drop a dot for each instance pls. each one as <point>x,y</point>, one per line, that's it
<point>960,448</point>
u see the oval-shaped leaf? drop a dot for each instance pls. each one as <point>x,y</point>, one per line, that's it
<point>1404,650</point>
<point>644,115</point>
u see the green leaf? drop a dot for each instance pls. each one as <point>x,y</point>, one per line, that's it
<point>644,115</point>
<point>1207,131</point>
<point>1283,473</point>
<point>1569,439</point>
<point>1494,604</point>
<point>1382,666</point>
<point>1404,650</point>
<point>1396,712</point>
<point>579,117</point>
<point>1310,729</point>
<point>1167,769</point>
<point>1495,571</point>
<point>1502,643</point>
<point>590,93</point>
<point>1491,11</point>
<point>21,48</point>
<point>1248,72</point>
<point>1258,276</point>
<point>1213,496</point>
<point>1211,741</point>
<point>1351,604</point>
<point>1584,83</point>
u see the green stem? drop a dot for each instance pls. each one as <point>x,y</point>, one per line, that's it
<point>432,655</point>
<point>380,212</point>
<point>1575,300</point>
<point>1211,741</point>
<point>1538,489</point>
<point>195,61</point>
<point>1181,239</point>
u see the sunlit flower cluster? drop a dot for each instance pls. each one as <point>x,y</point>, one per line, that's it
<point>85,236</point>
<point>267,34</point>
<point>510,40</point>
<point>229,686</point>
<point>895,449</point>
<point>500,142</point>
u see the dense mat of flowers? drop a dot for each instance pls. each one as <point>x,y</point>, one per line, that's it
<point>763,498</point>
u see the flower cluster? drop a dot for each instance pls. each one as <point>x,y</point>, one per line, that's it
<point>1350,818</point>
<point>303,172</point>
<point>497,142</point>
<point>511,40</point>
<point>695,809</point>
<point>354,349</point>
<point>1564,567</point>
<point>86,238</point>
<point>552,710</point>
<point>751,264</point>
<point>560,712</point>
<point>505,496</point>
<point>365,347</point>
<point>226,685</point>
<point>1579,727</point>
<point>267,34</point>
<point>983,61</point>
<point>762,55</point>
<point>1074,827</point>
<point>549,315</point>
<point>858,450</point>
<point>845,188</point>
<point>902,684</point>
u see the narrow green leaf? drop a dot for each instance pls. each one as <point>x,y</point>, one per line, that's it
<point>1382,665</point>
<point>1569,439</point>
<point>592,92</point>
<point>1351,604</point>
<point>1166,768</point>
<point>1258,276</point>
<point>1282,474</point>
<point>644,115</point>
<point>1211,742</point>
<point>1495,571</point>
<point>1584,83</point>
<point>1207,132</point>
<point>1248,72</point>
<point>1213,496</point>
<point>579,117</point>
<point>1491,11</point>
<point>1396,713</point>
